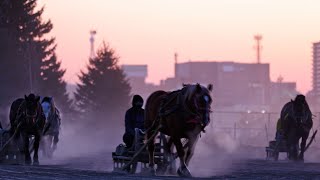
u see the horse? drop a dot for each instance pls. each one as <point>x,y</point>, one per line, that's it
<point>26,119</point>
<point>179,114</point>
<point>50,137</point>
<point>296,121</point>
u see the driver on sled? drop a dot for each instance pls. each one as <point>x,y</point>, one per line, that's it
<point>134,119</point>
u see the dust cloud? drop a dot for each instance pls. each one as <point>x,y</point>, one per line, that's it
<point>86,145</point>
<point>228,140</point>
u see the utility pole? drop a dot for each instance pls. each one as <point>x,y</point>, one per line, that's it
<point>175,63</point>
<point>258,47</point>
<point>29,49</point>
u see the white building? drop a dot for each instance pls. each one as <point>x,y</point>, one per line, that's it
<point>316,69</point>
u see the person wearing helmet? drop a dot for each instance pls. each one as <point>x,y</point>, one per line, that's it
<point>134,118</point>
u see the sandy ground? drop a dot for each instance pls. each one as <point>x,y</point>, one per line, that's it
<point>253,169</point>
<point>98,166</point>
<point>80,156</point>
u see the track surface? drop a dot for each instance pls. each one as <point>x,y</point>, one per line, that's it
<point>242,169</point>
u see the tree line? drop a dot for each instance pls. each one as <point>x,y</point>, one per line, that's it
<point>29,63</point>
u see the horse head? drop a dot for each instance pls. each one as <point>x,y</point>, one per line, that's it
<point>32,107</point>
<point>300,108</point>
<point>47,106</point>
<point>201,100</point>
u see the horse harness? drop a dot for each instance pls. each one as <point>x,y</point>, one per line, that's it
<point>298,119</point>
<point>177,97</point>
<point>24,113</point>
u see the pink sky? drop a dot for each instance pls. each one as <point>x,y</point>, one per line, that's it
<point>150,31</point>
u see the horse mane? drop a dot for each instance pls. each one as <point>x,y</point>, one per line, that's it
<point>189,91</point>
<point>50,100</point>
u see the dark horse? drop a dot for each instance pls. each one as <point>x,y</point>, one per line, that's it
<point>52,128</point>
<point>178,114</point>
<point>296,121</point>
<point>26,119</point>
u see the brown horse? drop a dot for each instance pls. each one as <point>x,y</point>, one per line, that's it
<point>296,121</point>
<point>179,114</point>
<point>26,119</point>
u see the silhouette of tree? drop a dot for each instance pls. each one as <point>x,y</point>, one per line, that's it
<point>13,76</point>
<point>54,85</point>
<point>103,91</point>
<point>30,61</point>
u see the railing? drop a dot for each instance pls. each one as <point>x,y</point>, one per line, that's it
<point>250,128</point>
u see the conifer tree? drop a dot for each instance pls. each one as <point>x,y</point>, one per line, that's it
<point>54,85</point>
<point>30,61</point>
<point>103,91</point>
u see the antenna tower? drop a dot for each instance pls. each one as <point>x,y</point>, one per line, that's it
<point>92,34</point>
<point>175,63</point>
<point>258,47</point>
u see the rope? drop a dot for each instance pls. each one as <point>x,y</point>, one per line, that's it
<point>312,138</point>
<point>142,148</point>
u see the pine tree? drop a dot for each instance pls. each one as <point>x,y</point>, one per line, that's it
<point>54,85</point>
<point>103,91</point>
<point>32,65</point>
<point>13,75</point>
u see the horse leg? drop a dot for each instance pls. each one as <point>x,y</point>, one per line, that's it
<point>55,141</point>
<point>292,145</point>
<point>191,146</point>
<point>36,149</point>
<point>183,170</point>
<point>170,155</point>
<point>151,148</point>
<point>26,149</point>
<point>303,146</point>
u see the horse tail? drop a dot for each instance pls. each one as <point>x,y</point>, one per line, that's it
<point>152,108</point>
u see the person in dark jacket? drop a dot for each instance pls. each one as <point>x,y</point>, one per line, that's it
<point>134,119</point>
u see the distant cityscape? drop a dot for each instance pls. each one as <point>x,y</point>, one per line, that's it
<point>238,86</point>
<point>235,84</point>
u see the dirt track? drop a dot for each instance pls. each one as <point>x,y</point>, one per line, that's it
<point>77,160</point>
<point>242,169</point>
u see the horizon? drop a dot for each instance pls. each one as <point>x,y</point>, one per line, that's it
<point>150,32</point>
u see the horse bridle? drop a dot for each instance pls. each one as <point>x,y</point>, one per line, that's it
<point>301,119</point>
<point>206,109</point>
<point>33,117</point>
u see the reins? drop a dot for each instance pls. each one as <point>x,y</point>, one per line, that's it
<point>142,147</point>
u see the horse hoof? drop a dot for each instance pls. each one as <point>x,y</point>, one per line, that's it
<point>300,160</point>
<point>152,171</point>
<point>27,162</point>
<point>171,171</point>
<point>184,172</point>
<point>36,163</point>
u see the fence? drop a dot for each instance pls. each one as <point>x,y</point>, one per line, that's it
<point>249,128</point>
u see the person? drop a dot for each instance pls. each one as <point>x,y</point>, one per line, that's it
<point>279,131</point>
<point>134,118</point>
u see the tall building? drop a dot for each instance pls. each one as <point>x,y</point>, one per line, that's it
<point>316,69</point>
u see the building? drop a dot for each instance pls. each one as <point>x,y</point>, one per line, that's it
<point>281,93</point>
<point>136,75</point>
<point>233,83</point>
<point>316,69</point>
